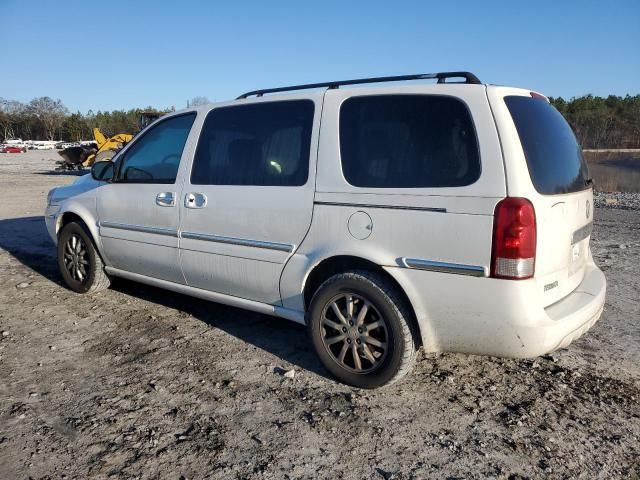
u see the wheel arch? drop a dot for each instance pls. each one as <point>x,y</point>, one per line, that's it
<point>69,216</point>
<point>333,265</point>
<point>65,218</point>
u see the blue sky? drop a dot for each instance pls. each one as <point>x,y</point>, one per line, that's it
<point>125,54</point>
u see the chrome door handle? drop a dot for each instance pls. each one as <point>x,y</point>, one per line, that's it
<point>195,200</point>
<point>166,199</point>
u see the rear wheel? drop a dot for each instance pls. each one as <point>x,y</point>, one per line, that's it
<point>78,260</point>
<point>362,329</point>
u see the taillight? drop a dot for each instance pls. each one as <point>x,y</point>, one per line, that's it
<point>514,239</point>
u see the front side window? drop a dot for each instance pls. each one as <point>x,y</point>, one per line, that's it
<point>265,144</point>
<point>155,157</point>
<point>408,141</point>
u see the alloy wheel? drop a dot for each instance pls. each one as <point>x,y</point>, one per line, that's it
<point>76,258</point>
<point>354,333</point>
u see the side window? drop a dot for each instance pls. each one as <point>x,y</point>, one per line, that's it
<point>155,157</point>
<point>259,144</point>
<point>408,141</point>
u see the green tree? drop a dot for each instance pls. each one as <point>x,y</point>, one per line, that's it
<point>74,127</point>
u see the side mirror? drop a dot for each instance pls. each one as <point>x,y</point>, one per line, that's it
<point>102,171</point>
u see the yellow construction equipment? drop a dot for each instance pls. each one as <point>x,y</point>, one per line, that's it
<point>104,148</point>
<point>107,147</point>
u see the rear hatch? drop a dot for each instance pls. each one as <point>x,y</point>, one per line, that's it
<point>562,195</point>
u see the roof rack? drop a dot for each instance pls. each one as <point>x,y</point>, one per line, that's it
<point>441,77</point>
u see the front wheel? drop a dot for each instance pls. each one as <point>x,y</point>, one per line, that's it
<point>362,330</point>
<point>78,260</point>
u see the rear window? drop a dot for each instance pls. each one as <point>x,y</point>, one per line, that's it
<point>554,157</point>
<point>408,141</point>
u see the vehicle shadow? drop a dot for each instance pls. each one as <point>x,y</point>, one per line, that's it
<point>27,240</point>
<point>72,173</point>
<point>282,338</point>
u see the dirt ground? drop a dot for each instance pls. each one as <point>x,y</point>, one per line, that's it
<point>136,382</point>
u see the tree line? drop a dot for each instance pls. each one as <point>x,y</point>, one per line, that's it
<point>612,122</point>
<point>44,118</point>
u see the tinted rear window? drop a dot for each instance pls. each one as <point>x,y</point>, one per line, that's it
<point>265,144</point>
<point>408,141</point>
<point>553,154</point>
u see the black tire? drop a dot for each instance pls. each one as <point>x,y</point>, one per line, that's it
<point>78,260</point>
<point>384,353</point>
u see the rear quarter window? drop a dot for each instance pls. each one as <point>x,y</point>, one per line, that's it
<point>554,157</point>
<point>408,141</point>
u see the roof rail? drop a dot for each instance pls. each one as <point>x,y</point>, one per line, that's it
<point>441,77</point>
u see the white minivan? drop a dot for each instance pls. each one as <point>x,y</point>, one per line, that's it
<point>455,216</point>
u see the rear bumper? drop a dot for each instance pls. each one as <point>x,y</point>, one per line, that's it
<point>572,316</point>
<point>487,316</point>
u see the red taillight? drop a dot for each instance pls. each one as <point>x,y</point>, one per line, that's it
<point>514,239</point>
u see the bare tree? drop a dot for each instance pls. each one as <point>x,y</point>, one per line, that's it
<point>10,111</point>
<point>51,113</point>
<point>197,101</point>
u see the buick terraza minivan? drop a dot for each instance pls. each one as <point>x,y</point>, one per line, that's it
<point>455,216</point>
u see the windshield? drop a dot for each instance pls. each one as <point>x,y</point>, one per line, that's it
<point>553,154</point>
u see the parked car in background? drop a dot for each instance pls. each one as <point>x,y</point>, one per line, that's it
<point>455,216</point>
<point>12,149</point>
<point>41,146</point>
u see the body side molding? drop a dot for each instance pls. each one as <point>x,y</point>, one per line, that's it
<point>282,247</point>
<point>445,267</point>
<point>139,228</point>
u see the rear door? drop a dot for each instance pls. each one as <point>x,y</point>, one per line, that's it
<point>248,201</point>
<point>545,164</point>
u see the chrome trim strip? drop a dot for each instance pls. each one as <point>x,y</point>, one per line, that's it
<point>582,233</point>
<point>139,228</point>
<point>282,247</point>
<point>390,207</point>
<point>444,267</point>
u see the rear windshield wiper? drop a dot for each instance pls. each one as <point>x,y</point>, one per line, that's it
<point>588,182</point>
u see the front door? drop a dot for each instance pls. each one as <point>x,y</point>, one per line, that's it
<point>138,210</point>
<point>248,202</point>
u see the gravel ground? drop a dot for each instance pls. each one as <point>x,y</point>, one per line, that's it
<point>617,200</point>
<point>136,382</point>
